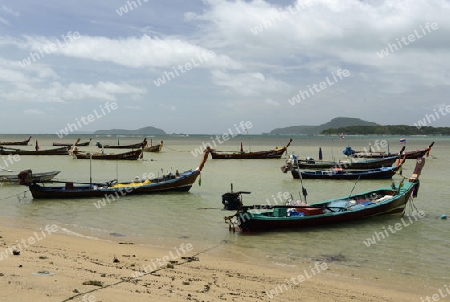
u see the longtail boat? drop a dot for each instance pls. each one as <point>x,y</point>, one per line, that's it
<point>36,177</point>
<point>55,151</point>
<point>275,153</point>
<point>131,155</point>
<point>83,144</point>
<point>296,215</point>
<point>293,162</point>
<point>339,173</point>
<point>153,148</point>
<point>178,182</point>
<point>409,154</point>
<point>22,143</point>
<point>130,146</point>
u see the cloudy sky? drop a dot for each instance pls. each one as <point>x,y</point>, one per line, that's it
<point>198,66</point>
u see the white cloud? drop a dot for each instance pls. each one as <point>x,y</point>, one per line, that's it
<point>33,112</point>
<point>249,84</point>
<point>136,52</point>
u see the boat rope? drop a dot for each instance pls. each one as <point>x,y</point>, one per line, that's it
<point>131,279</point>
<point>18,195</point>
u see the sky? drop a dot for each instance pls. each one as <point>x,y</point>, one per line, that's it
<point>202,67</point>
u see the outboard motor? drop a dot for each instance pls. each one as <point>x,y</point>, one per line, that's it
<point>25,177</point>
<point>233,200</point>
<point>348,151</point>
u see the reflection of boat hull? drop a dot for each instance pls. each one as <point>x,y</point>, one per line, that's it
<point>37,177</point>
<point>131,155</point>
<point>378,173</point>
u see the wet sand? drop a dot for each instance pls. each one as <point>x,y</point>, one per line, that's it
<point>62,267</point>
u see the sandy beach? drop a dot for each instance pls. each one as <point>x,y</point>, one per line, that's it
<point>55,266</point>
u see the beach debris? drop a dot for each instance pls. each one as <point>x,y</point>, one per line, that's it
<point>331,258</point>
<point>116,234</point>
<point>115,260</point>
<point>443,216</point>
<point>76,291</point>
<point>170,265</point>
<point>1,274</point>
<point>43,257</point>
<point>186,283</point>
<point>16,252</point>
<point>93,282</point>
<point>43,273</point>
<point>189,259</point>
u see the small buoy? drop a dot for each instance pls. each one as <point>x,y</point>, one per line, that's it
<point>443,216</point>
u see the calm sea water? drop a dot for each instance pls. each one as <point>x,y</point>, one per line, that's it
<point>166,220</point>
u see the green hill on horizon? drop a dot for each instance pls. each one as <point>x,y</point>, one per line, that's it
<point>337,122</point>
<point>141,131</point>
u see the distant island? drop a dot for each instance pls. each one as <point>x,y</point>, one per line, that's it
<point>337,122</point>
<point>356,126</point>
<point>141,131</point>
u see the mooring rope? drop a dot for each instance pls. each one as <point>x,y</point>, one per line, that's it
<point>188,259</point>
<point>16,195</point>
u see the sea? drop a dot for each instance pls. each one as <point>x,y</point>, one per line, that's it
<point>419,247</point>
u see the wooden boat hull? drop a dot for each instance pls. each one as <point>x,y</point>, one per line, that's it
<point>84,144</point>
<point>155,148</point>
<point>37,177</point>
<point>249,155</point>
<point>379,173</point>
<point>22,143</point>
<point>386,200</point>
<point>132,155</point>
<point>57,151</point>
<point>182,183</point>
<point>130,146</point>
<point>407,154</point>
<point>364,164</point>
<point>276,153</point>
<point>257,222</point>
